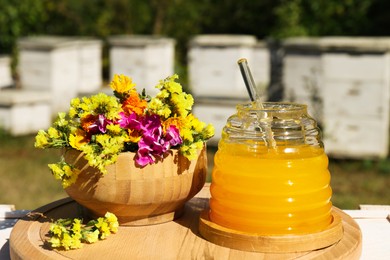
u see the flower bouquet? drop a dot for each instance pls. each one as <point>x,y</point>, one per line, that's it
<point>128,135</point>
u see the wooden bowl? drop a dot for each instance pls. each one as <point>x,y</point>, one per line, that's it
<point>138,196</point>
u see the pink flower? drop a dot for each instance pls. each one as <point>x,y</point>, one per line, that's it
<point>150,123</point>
<point>102,123</point>
<point>95,124</point>
<point>172,135</point>
<point>151,146</point>
<point>131,121</point>
<point>144,157</point>
<point>154,143</point>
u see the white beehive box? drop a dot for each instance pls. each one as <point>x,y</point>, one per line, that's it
<point>357,115</point>
<point>353,90</point>
<point>302,81</point>
<point>215,112</point>
<point>261,69</point>
<point>50,64</point>
<point>212,64</point>
<point>24,111</point>
<point>146,59</point>
<point>5,72</point>
<point>90,59</point>
<point>63,66</point>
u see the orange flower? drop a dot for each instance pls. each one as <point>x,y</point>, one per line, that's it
<point>87,122</point>
<point>176,121</point>
<point>134,104</point>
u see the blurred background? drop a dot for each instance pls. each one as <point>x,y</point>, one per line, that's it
<point>332,55</point>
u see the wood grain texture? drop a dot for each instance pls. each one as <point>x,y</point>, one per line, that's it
<point>178,239</point>
<point>138,196</point>
<point>268,244</point>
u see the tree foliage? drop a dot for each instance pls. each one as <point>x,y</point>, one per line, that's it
<point>182,19</point>
<point>19,18</point>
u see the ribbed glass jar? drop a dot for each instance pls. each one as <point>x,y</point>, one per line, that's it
<point>270,173</point>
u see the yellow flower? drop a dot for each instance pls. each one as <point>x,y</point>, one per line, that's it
<point>61,120</point>
<point>71,176</point>
<point>157,106</point>
<point>183,102</point>
<point>57,229</point>
<point>103,139</point>
<point>199,145</point>
<point>208,132</point>
<point>112,221</point>
<point>195,123</point>
<point>99,104</point>
<point>171,100</point>
<point>122,84</point>
<point>64,172</point>
<point>110,217</point>
<point>115,129</point>
<point>190,151</point>
<point>174,87</point>
<point>133,136</point>
<point>67,170</point>
<point>103,227</point>
<point>186,134</point>
<point>55,241</point>
<point>162,94</point>
<point>67,241</point>
<point>91,237</point>
<point>56,171</point>
<point>53,133</point>
<point>70,242</point>
<point>41,139</point>
<point>74,103</point>
<point>76,228</point>
<point>76,241</point>
<point>78,139</point>
<point>175,121</point>
<point>71,233</point>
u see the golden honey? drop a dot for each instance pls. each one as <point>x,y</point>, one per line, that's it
<point>271,185</point>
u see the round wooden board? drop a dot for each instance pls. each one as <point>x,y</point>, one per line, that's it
<point>179,239</point>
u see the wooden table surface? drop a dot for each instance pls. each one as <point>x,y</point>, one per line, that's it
<point>372,220</point>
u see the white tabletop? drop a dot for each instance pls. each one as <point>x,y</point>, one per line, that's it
<point>373,221</point>
<point>8,218</point>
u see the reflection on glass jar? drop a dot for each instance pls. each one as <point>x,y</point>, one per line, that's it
<point>270,173</point>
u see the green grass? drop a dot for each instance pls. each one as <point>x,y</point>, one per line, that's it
<point>27,182</point>
<point>356,182</point>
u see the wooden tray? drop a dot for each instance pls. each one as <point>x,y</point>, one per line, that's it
<point>269,244</point>
<point>179,239</point>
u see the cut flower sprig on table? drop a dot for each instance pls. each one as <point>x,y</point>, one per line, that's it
<point>102,126</point>
<point>72,233</point>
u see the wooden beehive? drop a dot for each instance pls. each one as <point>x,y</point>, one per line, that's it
<point>146,59</point>
<point>215,112</point>
<point>63,66</point>
<point>213,70</point>
<point>345,82</point>
<point>90,60</point>
<point>5,72</point>
<point>23,111</point>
